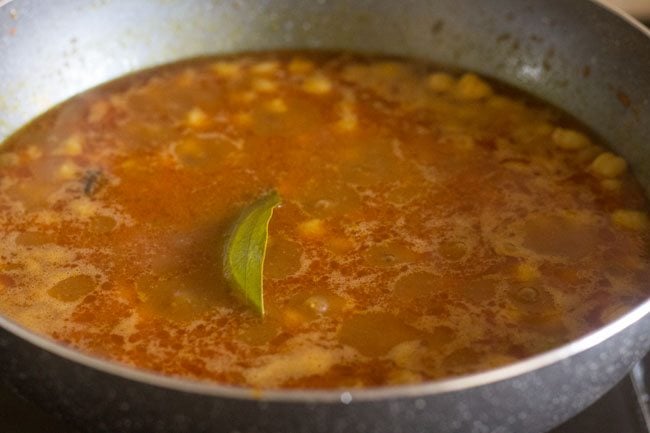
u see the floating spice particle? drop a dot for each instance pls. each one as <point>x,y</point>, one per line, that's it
<point>93,181</point>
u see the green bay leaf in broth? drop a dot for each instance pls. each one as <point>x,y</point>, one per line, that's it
<point>246,249</point>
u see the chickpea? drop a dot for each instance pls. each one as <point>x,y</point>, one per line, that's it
<point>277,105</point>
<point>405,353</point>
<point>440,82</point>
<point>265,68</point>
<point>34,152</point>
<point>630,219</point>
<point>68,170</point>
<point>293,319</point>
<point>98,111</point>
<point>84,208</point>
<point>71,146</point>
<point>348,120</point>
<point>264,85</point>
<point>300,66</point>
<point>472,88</point>
<point>226,69</point>
<point>317,85</point>
<point>313,228</point>
<point>404,377</point>
<point>569,139</point>
<point>526,272</point>
<point>196,118</point>
<point>608,165</point>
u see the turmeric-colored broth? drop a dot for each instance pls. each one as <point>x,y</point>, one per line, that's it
<point>432,224</point>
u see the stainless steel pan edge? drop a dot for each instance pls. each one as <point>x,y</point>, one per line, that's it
<point>532,396</point>
<point>575,54</point>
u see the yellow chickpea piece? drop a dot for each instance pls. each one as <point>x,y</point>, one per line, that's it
<point>440,82</point>
<point>404,377</point>
<point>317,85</point>
<point>186,78</point>
<point>293,319</point>
<point>84,208</point>
<point>226,69</point>
<point>630,219</point>
<point>98,111</point>
<point>608,165</point>
<point>189,147</point>
<point>569,139</point>
<point>265,68</point>
<point>404,354</point>
<point>264,85</point>
<point>472,88</point>
<point>300,66</point>
<point>34,152</point>
<point>196,118</point>
<point>71,146</point>
<point>348,120</point>
<point>277,105</point>
<point>68,170</point>
<point>313,228</point>
<point>526,272</point>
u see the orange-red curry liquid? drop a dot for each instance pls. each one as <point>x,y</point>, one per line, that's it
<point>431,226</point>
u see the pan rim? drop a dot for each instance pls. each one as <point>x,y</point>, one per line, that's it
<point>344,396</point>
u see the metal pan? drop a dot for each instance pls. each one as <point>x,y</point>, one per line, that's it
<point>579,55</point>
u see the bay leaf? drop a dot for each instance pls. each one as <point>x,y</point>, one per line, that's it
<point>246,249</point>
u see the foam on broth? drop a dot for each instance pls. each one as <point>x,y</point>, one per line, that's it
<point>433,224</point>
